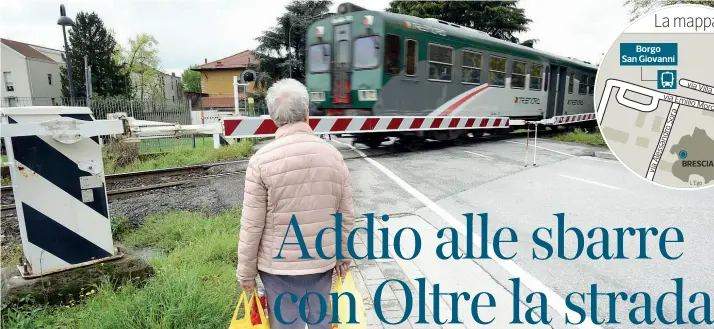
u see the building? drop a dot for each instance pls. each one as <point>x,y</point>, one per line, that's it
<point>217,80</point>
<point>165,86</point>
<point>30,74</point>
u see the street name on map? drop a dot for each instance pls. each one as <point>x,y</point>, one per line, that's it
<point>696,23</point>
<point>689,102</point>
<point>650,54</point>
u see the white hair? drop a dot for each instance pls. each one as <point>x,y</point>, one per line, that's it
<point>288,102</point>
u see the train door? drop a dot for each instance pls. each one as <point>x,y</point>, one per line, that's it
<point>560,102</point>
<point>341,65</point>
<point>555,85</point>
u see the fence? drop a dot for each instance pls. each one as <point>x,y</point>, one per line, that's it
<point>164,110</point>
<point>227,104</point>
<point>182,111</point>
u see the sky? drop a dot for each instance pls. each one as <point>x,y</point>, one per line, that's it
<point>189,32</point>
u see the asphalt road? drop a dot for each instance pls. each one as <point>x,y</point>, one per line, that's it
<point>490,177</point>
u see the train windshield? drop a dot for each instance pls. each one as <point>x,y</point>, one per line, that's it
<point>319,58</point>
<point>366,52</point>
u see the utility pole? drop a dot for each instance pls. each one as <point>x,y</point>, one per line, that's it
<point>88,80</point>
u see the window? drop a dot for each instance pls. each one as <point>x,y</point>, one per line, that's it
<point>318,58</point>
<point>471,71</point>
<point>518,75</point>
<point>343,54</point>
<point>571,82</point>
<point>591,85</point>
<point>366,52</point>
<point>497,71</point>
<point>547,78</point>
<point>412,57</point>
<point>536,76</point>
<point>583,84</point>
<point>49,79</point>
<point>9,86</point>
<point>392,54</point>
<point>441,60</point>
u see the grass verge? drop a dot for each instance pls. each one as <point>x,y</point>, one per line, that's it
<point>580,136</point>
<point>194,286</point>
<point>180,157</point>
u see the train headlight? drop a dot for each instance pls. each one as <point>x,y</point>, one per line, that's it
<point>367,95</point>
<point>317,96</point>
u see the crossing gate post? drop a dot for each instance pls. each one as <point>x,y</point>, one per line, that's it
<point>535,144</point>
<point>55,159</point>
<point>528,136</point>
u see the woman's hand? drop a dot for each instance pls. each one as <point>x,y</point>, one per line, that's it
<point>342,268</point>
<point>248,285</point>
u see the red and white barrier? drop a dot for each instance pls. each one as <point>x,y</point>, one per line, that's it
<point>235,127</point>
<point>573,118</point>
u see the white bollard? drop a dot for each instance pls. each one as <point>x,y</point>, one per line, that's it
<point>216,141</point>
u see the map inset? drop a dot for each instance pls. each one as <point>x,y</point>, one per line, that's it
<point>655,99</point>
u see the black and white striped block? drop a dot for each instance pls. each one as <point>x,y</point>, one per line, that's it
<point>60,193</point>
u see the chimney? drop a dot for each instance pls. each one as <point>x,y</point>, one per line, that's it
<point>218,63</point>
<point>205,61</point>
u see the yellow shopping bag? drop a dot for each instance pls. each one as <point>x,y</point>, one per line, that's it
<point>245,322</point>
<point>343,305</point>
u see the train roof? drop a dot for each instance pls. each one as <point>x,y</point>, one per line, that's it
<point>467,33</point>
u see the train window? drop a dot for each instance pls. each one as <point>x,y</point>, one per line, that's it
<point>319,58</point>
<point>392,54</point>
<point>571,82</point>
<point>471,67</point>
<point>441,60</point>
<point>536,76</point>
<point>366,52</point>
<point>411,59</point>
<point>583,84</point>
<point>497,71</point>
<point>518,75</point>
<point>591,85</point>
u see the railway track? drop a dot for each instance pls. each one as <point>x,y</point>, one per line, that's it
<point>133,183</point>
<point>126,184</point>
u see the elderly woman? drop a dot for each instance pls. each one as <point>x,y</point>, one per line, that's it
<point>298,174</point>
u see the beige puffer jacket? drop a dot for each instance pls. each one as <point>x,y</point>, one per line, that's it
<point>301,174</point>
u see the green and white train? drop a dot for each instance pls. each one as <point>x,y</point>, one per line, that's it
<point>362,62</point>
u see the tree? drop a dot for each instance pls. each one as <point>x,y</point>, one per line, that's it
<point>89,37</point>
<point>500,19</point>
<point>142,58</point>
<point>281,49</point>
<point>191,80</point>
<point>640,7</point>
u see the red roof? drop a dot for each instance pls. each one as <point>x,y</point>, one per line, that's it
<point>240,60</point>
<point>25,49</point>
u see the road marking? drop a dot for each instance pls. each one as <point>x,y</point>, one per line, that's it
<point>554,300</point>
<point>541,147</point>
<point>590,182</point>
<point>481,155</point>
